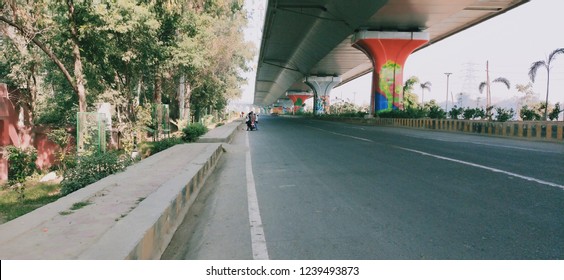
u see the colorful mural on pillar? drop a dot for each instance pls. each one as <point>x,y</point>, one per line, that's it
<point>322,105</point>
<point>388,52</point>
<point>299,101</point>
<point>389,89</point>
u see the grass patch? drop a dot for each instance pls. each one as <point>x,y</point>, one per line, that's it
<point>79,205</point>
<point>74,207</point>
<point>35,196</point>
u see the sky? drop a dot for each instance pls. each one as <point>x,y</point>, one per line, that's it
<point>511,42</point>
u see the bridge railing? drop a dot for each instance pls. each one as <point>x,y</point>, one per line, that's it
<point>552,131</point>
<point>549,131</point>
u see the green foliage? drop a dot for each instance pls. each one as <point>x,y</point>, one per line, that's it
<point>528,114</point>
<point>152,148</point>
<point>455,112</point>
<point>126,47</point>
<point>79,205</point>
<point>553,115</point>
<point>61,137</point>
<point>479,113</point>
<point>436,112</point>
<point>504,115</point>
<point>407,113</point>
<point>57,109</point>
<point>193,131</point>
<point>34,196</point>
<point>21,163</point>
<point>91,168</point>
<point>469,113</point>
<point>344,108</point>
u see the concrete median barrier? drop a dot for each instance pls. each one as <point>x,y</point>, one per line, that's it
<point>129,215</point>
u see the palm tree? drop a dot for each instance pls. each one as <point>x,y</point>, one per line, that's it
<point>424,86</point>
<point>498,80</point>
<point>407,88</point>
<point>544,64</point>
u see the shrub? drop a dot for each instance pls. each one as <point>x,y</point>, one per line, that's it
<point>504,115</point>
<point>92,168</point>
<point>408,113</point>
<point>164,144</point>
<point>64,159</point>
<point>455,112</point>
<point>147,149</point>
<point>553,115</point>
<point>469,113</point>
<point>436,112</point>
<point>527,114</point>
<point>193,131</point>
<point>21,163</point>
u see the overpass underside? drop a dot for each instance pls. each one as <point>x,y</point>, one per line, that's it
<point>326,43</point>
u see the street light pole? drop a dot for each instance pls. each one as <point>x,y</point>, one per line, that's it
<point>446,104</point>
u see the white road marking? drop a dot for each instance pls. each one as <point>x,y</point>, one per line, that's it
<point>344,135</point>
<point>546,183</point>
<point>486,168</point>
<point>258,240</point>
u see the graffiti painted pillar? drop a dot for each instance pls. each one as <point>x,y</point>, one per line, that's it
<point>299,99</point>
<point>322,87</point>
<point>388,52</point>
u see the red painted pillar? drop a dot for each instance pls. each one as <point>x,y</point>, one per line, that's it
<point>299,99</point>
<point>388,52</point>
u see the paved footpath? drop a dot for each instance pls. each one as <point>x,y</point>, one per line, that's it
<point>129,215</point>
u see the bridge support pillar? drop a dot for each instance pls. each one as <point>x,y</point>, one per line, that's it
<point>322,87</point>
<point>298,99</point>
<point>388,52</point>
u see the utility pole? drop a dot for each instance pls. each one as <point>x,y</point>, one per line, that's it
<point>446,105</point>
<point>488,94</point>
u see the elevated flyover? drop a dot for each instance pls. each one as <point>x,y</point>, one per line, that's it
<point>330,42</point>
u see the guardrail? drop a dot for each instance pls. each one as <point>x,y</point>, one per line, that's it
<point>533,130</point>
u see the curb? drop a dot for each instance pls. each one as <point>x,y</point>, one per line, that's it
<point>133,214</point>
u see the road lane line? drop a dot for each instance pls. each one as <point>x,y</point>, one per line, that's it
<point>485,167</point>
<point>340,134</point>
<point>258,241</point>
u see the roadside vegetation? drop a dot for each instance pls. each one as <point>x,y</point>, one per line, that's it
<point>161,71</point>
<point>24,193</point>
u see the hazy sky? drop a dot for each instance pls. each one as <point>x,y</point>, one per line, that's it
<point>510,42</point>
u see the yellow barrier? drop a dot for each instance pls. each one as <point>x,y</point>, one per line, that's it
<point>534,130</point>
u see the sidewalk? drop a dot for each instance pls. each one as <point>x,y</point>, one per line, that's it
<point>129,215</point>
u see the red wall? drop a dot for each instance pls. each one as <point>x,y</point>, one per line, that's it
<point>36,137</point>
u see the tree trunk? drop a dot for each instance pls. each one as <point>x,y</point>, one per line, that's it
<point>78,72</point>
<point>157,100</point>
<point>547,90</point>
<point>157,94</point>
<point>186,105</point>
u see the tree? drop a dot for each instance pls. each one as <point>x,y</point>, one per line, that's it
<point>546,64</point>
<point>424,86</point>
<point>498,80</point>
<point>31,24</point>
<point>409,99</point>
<point>486,84</point>
<point>126,52</point>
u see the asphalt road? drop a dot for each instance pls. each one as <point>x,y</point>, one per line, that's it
<point>329,190</point>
